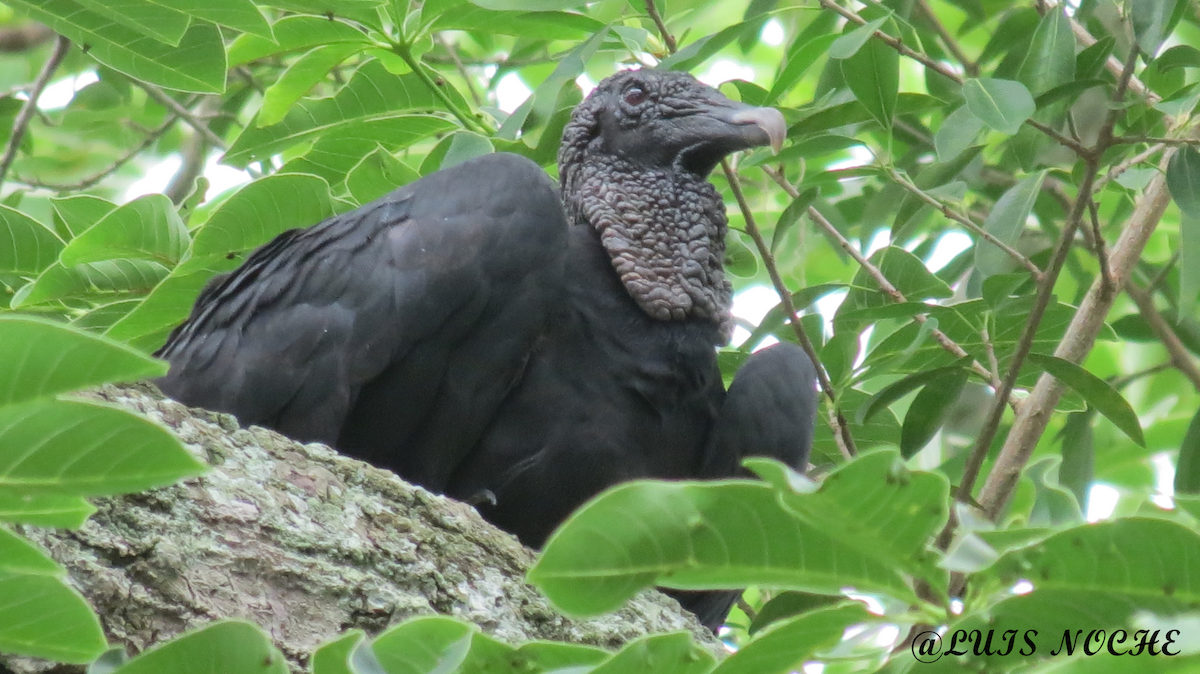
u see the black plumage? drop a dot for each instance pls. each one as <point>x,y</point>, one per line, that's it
<point>488,338</point>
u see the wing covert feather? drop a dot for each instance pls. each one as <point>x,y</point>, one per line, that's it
<point>291,338</point>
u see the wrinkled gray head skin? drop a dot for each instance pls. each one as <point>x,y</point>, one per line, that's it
<point>634,165</point>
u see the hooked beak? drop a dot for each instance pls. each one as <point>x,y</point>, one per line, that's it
<point>721,126</point>
<point>767,120</point>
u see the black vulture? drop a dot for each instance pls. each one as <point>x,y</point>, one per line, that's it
<point>489,338</point>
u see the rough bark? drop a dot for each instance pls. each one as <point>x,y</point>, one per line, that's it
<point>305,543</point>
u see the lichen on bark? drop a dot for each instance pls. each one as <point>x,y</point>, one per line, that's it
<point>306,543</point>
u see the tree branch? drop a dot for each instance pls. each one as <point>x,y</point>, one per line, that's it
<point>1045,293</point>
<point>307,544</point>
<point>964,221</point>
<point>940,68</point>
<point>952,45</point>
<point>1031,421</point>
<point>186,115</point>
<point>884,285</point>
<point>668,39</point>
<point>25,115</point>
<point>1180,358</point>
<point>840,426</point>
<point>23,38</point>
<point>94,179</point>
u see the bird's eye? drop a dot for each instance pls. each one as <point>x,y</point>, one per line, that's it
<point>635,95</point>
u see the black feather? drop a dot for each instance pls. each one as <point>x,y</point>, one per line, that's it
<point>489,339</point>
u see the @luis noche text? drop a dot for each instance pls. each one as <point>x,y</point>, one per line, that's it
<point>929,646</point>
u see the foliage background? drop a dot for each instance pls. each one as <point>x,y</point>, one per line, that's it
<point>1058,133</point>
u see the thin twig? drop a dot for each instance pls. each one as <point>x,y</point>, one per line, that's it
<point>25,115</point>
<point>112,168</point>
<point>1133,140</point>
<point>1114,65</point>
<point>884,285</point>
<point>1018,447</point>
<point>186,115</point>
<point>940,68</point>
<point>1180,358</point>
<point>842,427</point>
<point>448,45</point>
<point>668,39</point>
<point>402,50</point>
<point>970,66</point>
<point>1115,172</point>
<point>964,221</point>
<point>1098,244</point>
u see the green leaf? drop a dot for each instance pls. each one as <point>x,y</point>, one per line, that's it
<point>1179,56</point>
<point>1003,105</point>
<point>161,23</point>
<point>1089,63</point>
<point>882,430</point>
<point>299,78</point>
<point>81,211</point>
<point>928,411</point>
<point>261,210</point>
<point>169,303</point>
<point>372,94</point>
<point>95,280</point>
<point>788,644</point>
<point>1150,19</point>
<point>19,556</point>
<point>789,605</point>
<point>956,134</point>
<point>197,64</point>
<point>529,5</point>
<point>231,646</point>
<point>41,617</point>
<point>146,228</point>
<point>675,653</point>
<point>529,25</point>
<point>904,271</point>
<point>43,509</point>
<point>695,535</point>
<point>692,55</point>
<point>847,45</point>
<point>29,246</point>
<point>1183,181</point>
<point>791,215</point>
<point>43,358</point>
<point>241,15</point>
<point>1006,221</point>
<point>340,150</point>
<point>873,74</point>
<point>853,112</point>
<point>893,527</point>
<point>545,96</point>
<point>1145,563</point>
<point>293,33</point>
<point>961,322</point>
<point>1068,92</point>
<point>1187,464</point>
<point>902,387</point>
<point>1099,394</point>
<point>1078,455</point>
<point>424,644</point>
<point>1050,61</point>
<point>333,657</point>
<point>85,449</point>
<point>378,174</point>
<point>455,149</point>
<point>799,59</point>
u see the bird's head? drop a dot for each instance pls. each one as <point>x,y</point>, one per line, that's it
<point>665,120</point>
<point>634,165</point>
